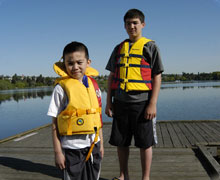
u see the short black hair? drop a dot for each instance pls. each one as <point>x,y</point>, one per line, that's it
<point>134,13</point>
<point>75,46</point>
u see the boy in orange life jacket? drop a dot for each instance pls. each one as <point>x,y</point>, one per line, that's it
<point>76,110</point>
<point>134,82</point>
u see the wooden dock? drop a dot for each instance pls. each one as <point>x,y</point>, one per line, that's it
<point>179,155</point>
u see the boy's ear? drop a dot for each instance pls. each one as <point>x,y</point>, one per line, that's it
<point>89,62</point>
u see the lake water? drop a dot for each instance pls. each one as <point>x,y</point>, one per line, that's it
<point>25,109</point>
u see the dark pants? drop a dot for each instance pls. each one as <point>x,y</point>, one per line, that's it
<point>77,168</point>
<point>128,121</point>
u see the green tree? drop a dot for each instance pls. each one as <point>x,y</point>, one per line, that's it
<point>49,81</point>
<point>21,84</point>
<point>5,84</point>
<point>216,75</point>
<point>40,79</point>
<point>14,78</point>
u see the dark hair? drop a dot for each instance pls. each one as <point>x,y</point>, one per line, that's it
<point>134,13</point>
<point>75,46</point>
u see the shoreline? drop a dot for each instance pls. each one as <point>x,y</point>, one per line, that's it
<point>163,82</point>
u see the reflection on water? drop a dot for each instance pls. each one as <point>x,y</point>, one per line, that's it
<point>189,87</point>
<point>188,102</point>
<point>23,94</point>
<point>210,84</point>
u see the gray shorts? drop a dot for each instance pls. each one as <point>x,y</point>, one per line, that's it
<point>77,168</point>
<point>129,121</point>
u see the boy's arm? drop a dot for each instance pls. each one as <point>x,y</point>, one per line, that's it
<point>108,108</point>
<point>59,157</point>
<point>151,109</point>
<point>101,143</point>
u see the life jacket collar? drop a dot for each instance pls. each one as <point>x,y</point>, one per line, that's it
<point>59,68</point>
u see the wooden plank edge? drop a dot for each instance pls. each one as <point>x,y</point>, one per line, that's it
<point>210,161</point>
<point>23,133</point>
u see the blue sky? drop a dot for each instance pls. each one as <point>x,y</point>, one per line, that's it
<point>33,33</point>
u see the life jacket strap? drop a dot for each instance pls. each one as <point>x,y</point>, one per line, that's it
<point>79,112</point>
<point>130,55</point>
<point>92,145</point>
<point>131,80</point>
<point>133,65</point>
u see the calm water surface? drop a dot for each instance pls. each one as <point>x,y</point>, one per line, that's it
<point>22,110</point>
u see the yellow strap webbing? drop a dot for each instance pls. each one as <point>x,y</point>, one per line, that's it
<point>79,112</point>
<point>92,146</point>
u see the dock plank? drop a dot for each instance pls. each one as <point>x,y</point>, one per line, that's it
<point>192,127</point>
<point>208,136</point>
<point>214,132</point>
<point>166,136</point>
<point>175,140</point>
<point>217,125</point>
<point>187,134</point>
<point>184,141</point>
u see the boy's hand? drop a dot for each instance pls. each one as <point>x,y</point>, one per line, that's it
<point>150,111</point>
<point>108,109</point>
<point>60,160</point>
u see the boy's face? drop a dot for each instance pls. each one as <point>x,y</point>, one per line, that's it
<point>134,28</point>
<point>76,64</point>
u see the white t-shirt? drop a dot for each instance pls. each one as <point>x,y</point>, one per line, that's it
<point>59,101</point>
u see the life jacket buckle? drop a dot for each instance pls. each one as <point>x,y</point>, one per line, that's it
<point>126,55</point>
<point>65,116</point>
<point>125,80</point>
<point>126,65</point>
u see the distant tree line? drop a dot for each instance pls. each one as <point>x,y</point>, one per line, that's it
<point>7,82</point>
<point>16,81</point>
<point>191,77</point>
